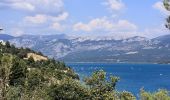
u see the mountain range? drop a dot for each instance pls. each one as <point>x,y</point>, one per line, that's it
<point>97,49</point>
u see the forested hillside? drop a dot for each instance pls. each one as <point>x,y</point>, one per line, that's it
<point>23,78</point>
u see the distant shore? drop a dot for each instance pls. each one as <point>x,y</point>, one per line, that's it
<point>117,63</point>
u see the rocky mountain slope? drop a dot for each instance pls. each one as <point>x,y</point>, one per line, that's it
<point>99,49</point>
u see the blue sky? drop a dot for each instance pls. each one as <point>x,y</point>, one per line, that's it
<point>84,17</point>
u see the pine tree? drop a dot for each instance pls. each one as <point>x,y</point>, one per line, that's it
<point>167,6</point>
<point>5,66</point>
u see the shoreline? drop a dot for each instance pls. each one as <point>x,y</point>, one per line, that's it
<point>117,63</point>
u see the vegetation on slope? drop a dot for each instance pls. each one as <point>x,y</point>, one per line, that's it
<point>27,79</point>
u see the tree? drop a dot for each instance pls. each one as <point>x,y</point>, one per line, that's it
<point>5,66</point>
<point>8,44</point>
<point>159,95</point>
<point>167,6</point>
<point>69,89</point>
<point>127,96</point>
<point>18,72</point>
<point>101,88</point>
<point>34,79</point>
<point>168,23</point>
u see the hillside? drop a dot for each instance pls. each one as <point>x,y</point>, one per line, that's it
<point>99,49</point>
<point>20,74</point>
<point>164,40</point>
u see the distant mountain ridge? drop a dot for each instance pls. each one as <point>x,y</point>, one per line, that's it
<point>6,37</point>
<point>164,39</point>
<point>100,49</point>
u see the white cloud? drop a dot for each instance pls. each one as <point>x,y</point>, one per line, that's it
<point>103,24</point>
<point>125,25</point>
<point>52,7</point>
<point>52,22</point>
<point>61,17</point>
<point>80,26</point>
<point>37,19</point>
<point>23,6</point>
<point>159,6</point>
<point>98,23</point>
<point>57,26</point>
<point>114,5</point>
<point>17,4</point>
<point>16,32</point>
<point>41,18</point>
<point>39,14</point>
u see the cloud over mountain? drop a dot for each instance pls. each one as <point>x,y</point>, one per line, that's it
<point>104,24</point>
<point>87,17</point>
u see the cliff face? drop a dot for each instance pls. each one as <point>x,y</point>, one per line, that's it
<point>36,57</point>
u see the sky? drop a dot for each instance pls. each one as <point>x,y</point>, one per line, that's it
<point>119,18</point>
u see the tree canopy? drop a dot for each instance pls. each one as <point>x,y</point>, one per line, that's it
<point>167,6</point>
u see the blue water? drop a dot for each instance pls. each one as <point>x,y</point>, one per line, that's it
<point>133,77</point>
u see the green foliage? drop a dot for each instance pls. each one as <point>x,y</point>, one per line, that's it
<point>11,49</point>
<point>68,89</point>
<point>31,60</point>
<point>127,96</point>
<point>159,95</point>
<point>26,79</point>
<point>34,79</point>
<point>98,79</point>
<point>167,6</point>
<point>5,66</point>
<point>8,44</point>
<point>18,72</point>
<point>102,89</point>
<point>168,22</point>
<point>13,93</point>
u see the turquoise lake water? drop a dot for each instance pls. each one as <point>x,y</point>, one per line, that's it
<point>132,76</point>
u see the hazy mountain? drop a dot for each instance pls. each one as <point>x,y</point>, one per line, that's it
<point>164,40</point>
<point>99,49</point>
<point>5,37</point>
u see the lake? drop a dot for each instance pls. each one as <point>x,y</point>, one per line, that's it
<point>132,76</point>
